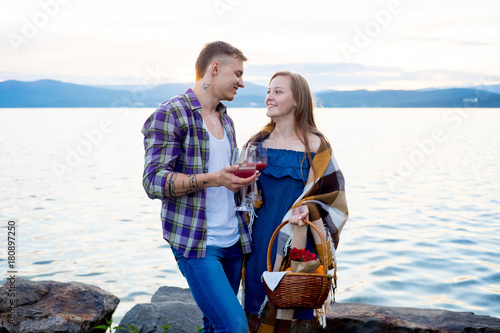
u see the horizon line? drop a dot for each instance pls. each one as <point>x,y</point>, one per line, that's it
<point>103,86</point>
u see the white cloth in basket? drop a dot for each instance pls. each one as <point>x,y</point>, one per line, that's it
<point>272,279</point>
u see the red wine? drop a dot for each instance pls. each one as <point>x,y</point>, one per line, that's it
<point>261,166</point>
<point>245,172</point>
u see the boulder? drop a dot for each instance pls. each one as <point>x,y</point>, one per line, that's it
<point>363,318</point>
<point>168,304</point>
<point>50,306</point>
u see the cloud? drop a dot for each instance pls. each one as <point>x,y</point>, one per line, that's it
<point>100,42</point>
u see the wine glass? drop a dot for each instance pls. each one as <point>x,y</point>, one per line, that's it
<point>245,158</point>
<point>261,160</point>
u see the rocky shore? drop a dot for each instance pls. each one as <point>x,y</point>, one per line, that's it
<point>50,306</point>
<point>177,306</point>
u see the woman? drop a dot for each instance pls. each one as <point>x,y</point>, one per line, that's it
<point>301,181</point>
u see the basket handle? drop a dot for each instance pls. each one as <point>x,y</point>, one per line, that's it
<point>270,247</point>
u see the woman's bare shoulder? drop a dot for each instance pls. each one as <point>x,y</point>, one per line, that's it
<point>315,142</point>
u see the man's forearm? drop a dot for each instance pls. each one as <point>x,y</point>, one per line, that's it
<point>179,184</point>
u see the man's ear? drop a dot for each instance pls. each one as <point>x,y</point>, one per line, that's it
<point>215,68</point>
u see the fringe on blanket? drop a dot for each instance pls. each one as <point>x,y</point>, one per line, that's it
<point>320,313</point>
<point>263,305</point>
<point>251,218</point>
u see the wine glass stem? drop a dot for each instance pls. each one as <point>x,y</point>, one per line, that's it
<point>243,193</point>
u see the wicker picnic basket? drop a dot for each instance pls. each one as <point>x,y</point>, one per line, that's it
<point>300,290</point>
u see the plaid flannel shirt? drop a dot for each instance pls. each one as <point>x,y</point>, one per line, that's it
<point>176,141</point>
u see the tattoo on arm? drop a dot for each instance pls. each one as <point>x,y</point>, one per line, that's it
<point>205,86</point>
<point>191,186</point>
<point>193,182</point>
<point>171,184</point>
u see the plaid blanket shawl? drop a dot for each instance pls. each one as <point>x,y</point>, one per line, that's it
<point>324,194</point>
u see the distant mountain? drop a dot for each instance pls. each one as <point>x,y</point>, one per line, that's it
<point>455,97</point>
<point>494,88</point>
<point>251,96</point>
<point>50,93</point>
<point>250,88</point>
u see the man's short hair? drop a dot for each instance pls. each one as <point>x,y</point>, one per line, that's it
<point>215,51</point>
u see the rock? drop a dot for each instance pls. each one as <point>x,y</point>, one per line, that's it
<point>178,307</point>
<point>168,294</point>
<point>362,318</point>
<point>168,304</point>
<point>50,306</point>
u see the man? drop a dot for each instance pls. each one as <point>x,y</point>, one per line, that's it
<point>189,141</point>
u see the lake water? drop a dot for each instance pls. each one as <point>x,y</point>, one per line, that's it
<point>423,191</point>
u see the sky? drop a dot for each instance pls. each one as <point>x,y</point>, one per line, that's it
<point>341,45</point>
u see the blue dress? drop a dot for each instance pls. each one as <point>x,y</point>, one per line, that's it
<point>281,183</point>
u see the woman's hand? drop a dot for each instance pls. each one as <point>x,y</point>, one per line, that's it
<point>300,213</point>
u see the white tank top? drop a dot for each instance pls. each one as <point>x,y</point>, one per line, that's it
<point>222,223</point>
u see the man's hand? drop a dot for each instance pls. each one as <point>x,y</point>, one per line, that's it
<point>235,183</point>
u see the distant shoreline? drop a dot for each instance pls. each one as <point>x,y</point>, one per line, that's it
<point>57,94</point>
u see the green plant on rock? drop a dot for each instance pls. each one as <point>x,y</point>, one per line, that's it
<point>131,328</point>
<point>166,327</point>
<point>107,326</point>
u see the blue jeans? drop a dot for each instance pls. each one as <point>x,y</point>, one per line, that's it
<point>214,282</point>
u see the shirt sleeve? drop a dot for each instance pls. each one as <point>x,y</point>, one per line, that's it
<point>162,145</point>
